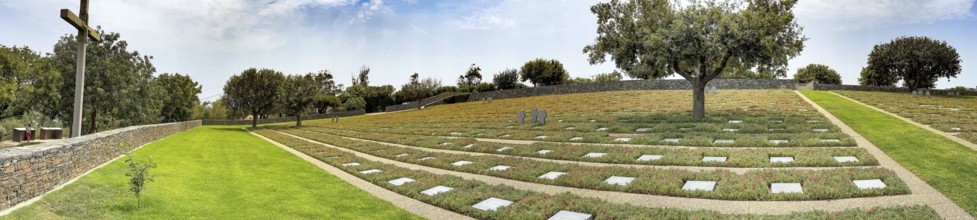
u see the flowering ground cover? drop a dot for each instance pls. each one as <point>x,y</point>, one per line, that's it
<point>756,157</point>
<point>750,118</point>
<point>753,185</point>
<point>955,114</point>
<point>535,205</point>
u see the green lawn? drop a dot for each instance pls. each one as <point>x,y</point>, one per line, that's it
<point>214,173</point>
<point>944,164</point>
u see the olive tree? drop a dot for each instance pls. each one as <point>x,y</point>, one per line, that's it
<point>544,72</point>
<point>698,40</point>
<point>819,73</point>
<point>869,77</point>
<point>506,79</point>
<point>257,92</point>
<point>299,94</point>
<point>917,61</point>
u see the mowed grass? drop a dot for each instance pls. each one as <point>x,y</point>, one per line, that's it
<point>947,166</point>
<point>214,173</point>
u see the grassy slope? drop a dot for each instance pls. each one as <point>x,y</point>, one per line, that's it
<point>944,164</point>
<point>214,172</point>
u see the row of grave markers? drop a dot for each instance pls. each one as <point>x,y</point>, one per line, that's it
<point>538,116</point>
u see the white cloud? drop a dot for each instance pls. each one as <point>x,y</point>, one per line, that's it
<point>287,6</point>
<point>371,8</point>
<point>487,19</point>
<point>867,14</point>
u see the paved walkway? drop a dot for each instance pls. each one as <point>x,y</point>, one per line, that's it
<point>654,201</point>
<point>414,206</point>
<point>928,195</point>
<point>952,137</point>
<point>737,170</point>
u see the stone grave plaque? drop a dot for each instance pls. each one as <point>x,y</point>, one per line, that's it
<point>713,159</point>
<point>781,159</point>
<point>521,116</point>
<point>534,114</point>
<point>693,185</point>
<point>435,190</point>
<point>735,121</point>
<point>568,215</point>
<point>820,130</point>
<point>623,139</point>
<point>779,141</point>
<point>594,155</point>
<point>619,180</point>
<point>503,149</point>
<point>831,140</point>
<point>649,157</point>
<point>492,204</point>
<point>542,117</point>
<point>730,130</point>
<point>400,181</point>
<point>371,171</point>
<point>601,129</point>
<point>500,168</point>
<point>869,184</point>
<point>544,151</point>
<point>642,130</point>
<point>541,137</point>
<point>551,175</point>
<point>927,93</point>
<point>786,188</point>
<point>672,140</point>
<point>576,139</point>
<point>468,146</point>
<point>461,163</point>
<point>426,158</point>
<point>351,164</point>
<point>723,141</point>
<point>846,159</point>
<point>402,155</point>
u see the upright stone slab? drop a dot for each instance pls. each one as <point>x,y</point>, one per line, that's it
<point>521,116</point>
<point>534,114</point>
<point>542,117</point>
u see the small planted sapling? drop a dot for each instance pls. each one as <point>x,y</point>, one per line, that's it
<point>139,175</point>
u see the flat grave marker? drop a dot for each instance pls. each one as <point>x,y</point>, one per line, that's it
<point>426,158</point>
<point>594,155</point>
<point>779,141</point>
<point>400,181</point>
<point>541,137</point>
<point>723,141</point>
<point>544,151</point>
<point>468,146</point>
<point>786,188</point>
<point>693,185</point>
<point>869,184</point>
<point>435,190</point>
<point>371,171</point>
<point>492,204</point>
<point>461,163</point>
<point>402,155</point>
<point>350,164</point>
<point>642,130</point>
<point>649,157</point>
<point>672,140</point>
<point>619,180</point>
<point>601,129</point>
<point>576,139</point>
<point>502,149</point>
<point>622,139</point>
<point>551,175</point>
<point>730,130</point>
<point>845,159</point>
<point>831,140</point>
<point>820,130</point>
<point>500,168</point>
<point>781,159</point>
<point>735,121</point>
<point>568,215</point>
<point>713,159</point>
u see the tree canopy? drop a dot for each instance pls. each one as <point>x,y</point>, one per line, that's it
<point>180,96</point>
<point>917,61</point>
<point>256,92</point>
<point>697,40</point>
<point>472,77</point>
<point>299,93</point>
<point>869,77</point>
<point>506,79</point>
<point>543,72</point>
<point>819,73</point>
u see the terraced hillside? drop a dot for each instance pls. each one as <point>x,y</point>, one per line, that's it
<point>616,151</point>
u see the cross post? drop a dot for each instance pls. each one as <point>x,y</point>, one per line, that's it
<point>84,33</point>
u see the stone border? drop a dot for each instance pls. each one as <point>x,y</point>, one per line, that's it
<point>424,102</point>
<point>661,84</point>
<point>282,119</point>
<point>31,171</point>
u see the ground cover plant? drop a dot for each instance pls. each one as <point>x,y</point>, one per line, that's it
<point>756,157</point>
<point>944,164</point>
<point>749,117</point>
<point>955,114</point>
<point>753,185</point>
<point>213,173</point>
<point>535,205</point>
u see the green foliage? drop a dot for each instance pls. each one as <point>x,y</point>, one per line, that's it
<point>697,40</point>
<point>180,97</point>
<point>326,83</point>
<point>608,77</point>
<point>417,89</point>
<point>471,78</point>
<point>544,72</point>
<point>816,72</point>
<point>869,77</point>
<point>506,79</point>
<point>355,103</point>
<point>323,102</point>
<point>378,97</point>
<point>299,94</point>
<point>28,81</point>
<point>580,80</point>
<point>255,92</point>
<point>363,79</point>
<point>959,89</point>
<point>138,174</point>
<point>736,72</point>
<point>119,86</point>
<point>918,61</point>
<point>445,89</point>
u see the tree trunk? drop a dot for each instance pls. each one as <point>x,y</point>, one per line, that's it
<point>92,126</point>
<point>254,119</point>
<point>298,120</point>
<point>698,100</point>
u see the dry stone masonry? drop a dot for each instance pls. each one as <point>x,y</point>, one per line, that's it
<point>28,172</point>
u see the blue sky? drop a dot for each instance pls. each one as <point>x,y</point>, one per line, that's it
<point>214,39</point>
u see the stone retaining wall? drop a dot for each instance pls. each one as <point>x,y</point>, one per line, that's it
<point>28,172</point>
<point>887,89</point>
<point>425,102</point>
<point>282,119</point>
<point>662,84</point>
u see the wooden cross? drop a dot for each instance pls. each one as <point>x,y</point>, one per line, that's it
<point>84,33</point>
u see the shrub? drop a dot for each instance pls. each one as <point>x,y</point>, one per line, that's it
<point>139,175</point>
